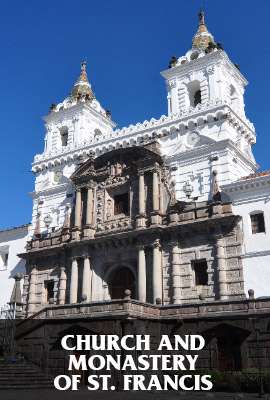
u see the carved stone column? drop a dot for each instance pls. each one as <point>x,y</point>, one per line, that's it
<point>78,216</point>
<point>221,266</point>
<point>32,291</point>
<point>141,195</point>
<point>89,230</point>
<point>141,274</point>
<point>155,218</point>
<point>73,292</point>
<point>78,208</point>
<point>62,286</point>
<point>141,217</point>
<point>157,271</point>
<point>89,208</point>
<point>161,198</point>
<point>176,273</point>
<point>86,283</point>
<point>155,192</point>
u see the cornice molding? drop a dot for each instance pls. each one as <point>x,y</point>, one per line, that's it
<point>203,62</point>
<point>250,184</point>
<point>61,188</point>
<point>134,134</point>
<point>251,254</point>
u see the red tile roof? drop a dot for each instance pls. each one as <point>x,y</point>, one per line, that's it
<point>256,175</point>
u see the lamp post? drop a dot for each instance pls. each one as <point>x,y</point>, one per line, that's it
<point>188,189</point>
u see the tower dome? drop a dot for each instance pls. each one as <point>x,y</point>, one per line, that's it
<point>82,86</point>
<point>203,37</point>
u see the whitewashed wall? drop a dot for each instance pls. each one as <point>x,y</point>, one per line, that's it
<point>12,241</point>
<point>248,196</point>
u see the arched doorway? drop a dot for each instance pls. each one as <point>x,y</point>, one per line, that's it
<point>228,343</point>
<point>119,280</point>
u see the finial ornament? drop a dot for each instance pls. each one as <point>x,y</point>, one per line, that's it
<point>201,18</point>
<point>83,75</point>
<point>82,88</point>
<point>83,65</point>
<point>203,37</point>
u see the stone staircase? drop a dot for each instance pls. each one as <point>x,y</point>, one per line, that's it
<point>23,375</point>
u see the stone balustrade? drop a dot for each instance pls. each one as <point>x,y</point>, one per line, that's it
<point>133,308</point>
<point>180,214</point>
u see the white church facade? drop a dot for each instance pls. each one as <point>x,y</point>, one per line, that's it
<point>177,201</point>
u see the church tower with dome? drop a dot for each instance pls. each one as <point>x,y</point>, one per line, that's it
<point>142,208</point>
<point>165,221</point>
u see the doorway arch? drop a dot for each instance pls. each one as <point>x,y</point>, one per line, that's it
<point>119,280</point>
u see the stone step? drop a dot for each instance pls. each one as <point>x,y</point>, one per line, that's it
<point>21,387</point>
<point>11,371</point>
<point>23,376</point>
<point>26,379</point>
<point>19,368</point>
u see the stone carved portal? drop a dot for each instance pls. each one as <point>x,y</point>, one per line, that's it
<point>121,279</point>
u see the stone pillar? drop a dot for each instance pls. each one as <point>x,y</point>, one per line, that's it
<point>141,195</point>
<point>176,274</point>
<point>73,292</point>
<point>86,283</point>
<point>141,274</point>
<point>161,198</point>
<point>89,208</point>
<point>155,192</point>
<point>157,271</point>
<point>78,208</point>
<point>156,217</point>
<point>221,267</point>
<point>32,291</point>
<point>141,218</point>
<point>62,286</point>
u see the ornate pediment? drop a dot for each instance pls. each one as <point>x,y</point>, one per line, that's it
<point>110,166</point>
<point>85,170</point>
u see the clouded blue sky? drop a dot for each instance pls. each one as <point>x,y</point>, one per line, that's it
<point>127,43</point>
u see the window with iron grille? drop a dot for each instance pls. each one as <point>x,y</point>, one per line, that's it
<point>200,272</point>
<point>257,223</point>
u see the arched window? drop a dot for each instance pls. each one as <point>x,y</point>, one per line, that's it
<point>257,222</point>
<point>64,136</point>
<point>194,93</point>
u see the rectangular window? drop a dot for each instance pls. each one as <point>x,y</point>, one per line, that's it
<point>121,204</point>
<point>200,272</point>
<point>64,136</point>
<point>257,223</point>
<point>49,288</point>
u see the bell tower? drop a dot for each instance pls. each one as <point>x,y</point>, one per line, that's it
<point>205,92</point>
<point>204,75</point>
<point>72,126</point>
<point>78,119</point>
